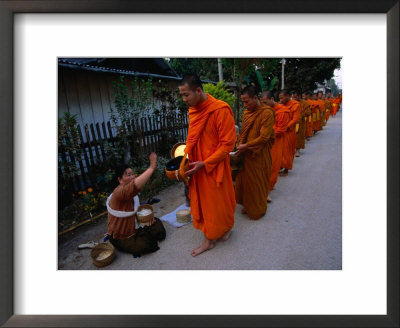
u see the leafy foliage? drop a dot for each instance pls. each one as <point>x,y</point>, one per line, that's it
<point>302,74</point>
<point>129,107</point>
<point>220,91</point>
<point>205,68</point>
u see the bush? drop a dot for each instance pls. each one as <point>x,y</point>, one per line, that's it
<point>220,91</point>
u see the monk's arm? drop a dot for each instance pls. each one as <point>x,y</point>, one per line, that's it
<point>227,138</point>
<point>296,115</point>
<point>266,134</point>
<point>308,110</point>
<point>281,122</point>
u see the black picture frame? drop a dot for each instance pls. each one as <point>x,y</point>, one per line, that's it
<point>10,7</point>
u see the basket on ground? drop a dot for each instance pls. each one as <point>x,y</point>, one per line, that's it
<point>145,213</point>
<point>183,216</point>
<point>102,254</point>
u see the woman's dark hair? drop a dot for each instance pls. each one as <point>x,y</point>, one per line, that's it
<point>119,171</point>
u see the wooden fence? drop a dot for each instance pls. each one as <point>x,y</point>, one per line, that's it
<point>92,142</point>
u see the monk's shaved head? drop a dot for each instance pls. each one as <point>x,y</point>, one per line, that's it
<point>250,90</point>
<point>284,92</point>
<point>268,94</point>
<point>192,80</point>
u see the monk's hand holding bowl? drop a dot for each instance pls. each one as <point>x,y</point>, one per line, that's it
<point>195,166</point>
<point>241,148</point>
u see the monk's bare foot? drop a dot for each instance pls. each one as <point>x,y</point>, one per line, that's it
<point>243,211</point>
<point>284,173</point>
<point>208,244</point>
<point>225,237</point>
<point>297,153</point>
<point>269,200</point>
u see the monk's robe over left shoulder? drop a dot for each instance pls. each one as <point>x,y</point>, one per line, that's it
<point>289,145</point>
<point>211,137</point>
<point>252,182</point>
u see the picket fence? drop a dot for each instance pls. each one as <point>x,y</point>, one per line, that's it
<point>93,136</point>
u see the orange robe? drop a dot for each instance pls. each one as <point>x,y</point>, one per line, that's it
<point>282,118</point>
<point>309,122</point>
<point>211,137</point>
<point>301,133</point>
<point>315,114</point>
<point>321,108</point>
<point>335,106</point>
<point>328,108</point>
<point>289,147</point>
<point>252,183</point>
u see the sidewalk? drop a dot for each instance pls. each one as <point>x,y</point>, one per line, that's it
<point>302,229</point>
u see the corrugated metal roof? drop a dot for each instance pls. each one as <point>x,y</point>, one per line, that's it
<point>143,67</point>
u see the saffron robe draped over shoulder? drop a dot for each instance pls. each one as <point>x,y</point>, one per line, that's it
<point>282,118</point>
<point>289,145</point>
<point>328,108</point>
<point>252,182</point>
<point>309,123</point>
<point>315,114</point>
<point>211,137</point>
<point>335,106</point>
<point>301,133</point>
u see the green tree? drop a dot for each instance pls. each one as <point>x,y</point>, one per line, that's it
<point>303,73</point>
<point>250,71</point>
<point>205,68</point>
<point>333,87</point>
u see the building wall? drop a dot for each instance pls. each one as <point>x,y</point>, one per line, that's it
<point>90,95</point>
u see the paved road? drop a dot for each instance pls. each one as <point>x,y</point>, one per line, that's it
<point>302,229</point>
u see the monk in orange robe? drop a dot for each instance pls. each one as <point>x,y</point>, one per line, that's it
<point>255,142</point>
<point>289,147</point>
<point>301,125</point>
<point>211,137</point>
<point>328,108</point>
<point>316,113</point>
<point>282,118</point>
<point>321,106</point>
<point>309,122</point>
<point>335,106</point>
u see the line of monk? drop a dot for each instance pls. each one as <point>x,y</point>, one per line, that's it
<point>271,136</point>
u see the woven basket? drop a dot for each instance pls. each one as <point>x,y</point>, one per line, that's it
<point>145,218</point>
<point>102,254</point>
<point>183,216</point>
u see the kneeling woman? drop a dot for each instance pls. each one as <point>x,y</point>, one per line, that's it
<point>122,229</point>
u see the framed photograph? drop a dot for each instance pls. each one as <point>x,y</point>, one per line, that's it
<point>363,33</point>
